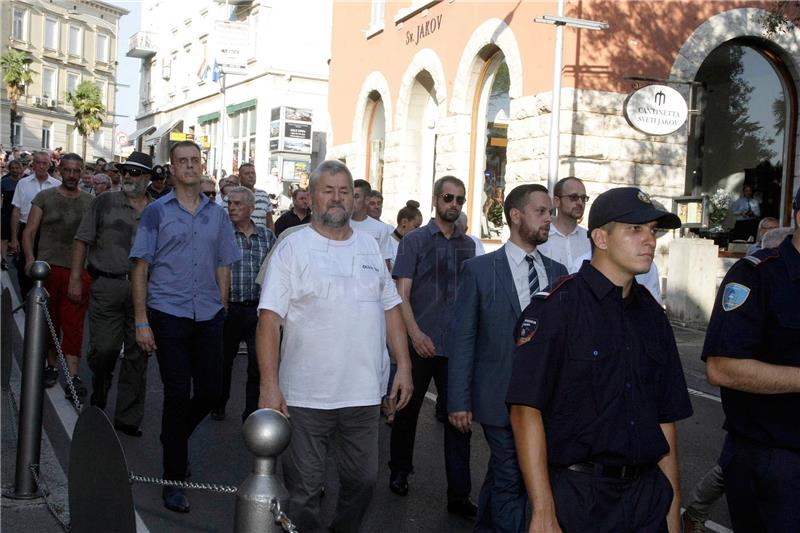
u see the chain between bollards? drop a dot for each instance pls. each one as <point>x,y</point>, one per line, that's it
<point>62,360</point>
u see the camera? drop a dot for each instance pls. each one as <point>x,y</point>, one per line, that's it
<point>161,172</point>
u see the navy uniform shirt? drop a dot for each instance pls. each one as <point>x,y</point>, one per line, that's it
<point>603,370</point>
<point>757,316</point>
<point>433,262</point>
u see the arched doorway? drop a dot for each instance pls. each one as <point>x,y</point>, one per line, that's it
<point>744,129</point>
<point>420,140</point>
<point>375,139</point>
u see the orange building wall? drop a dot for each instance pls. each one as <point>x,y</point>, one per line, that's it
<point>643,40</point>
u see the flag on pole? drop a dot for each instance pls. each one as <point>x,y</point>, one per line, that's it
<point>202,72</point>
<point>216,72</point>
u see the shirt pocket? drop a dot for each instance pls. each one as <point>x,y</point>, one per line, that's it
<point>368,279</point>
<point>593,374</point>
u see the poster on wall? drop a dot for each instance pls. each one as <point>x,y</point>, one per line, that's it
<point>290,130</point>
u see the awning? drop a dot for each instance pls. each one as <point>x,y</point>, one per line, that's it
<point>202,119</point>
<point>162,130</point>
<point>132,138</point>
<point>231,109</point>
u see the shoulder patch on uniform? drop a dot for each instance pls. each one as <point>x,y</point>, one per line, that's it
<point>527,329</point>
<point>560,282</point>
<point>734,295</point>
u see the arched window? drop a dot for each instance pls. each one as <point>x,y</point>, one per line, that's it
<point>376,134</point>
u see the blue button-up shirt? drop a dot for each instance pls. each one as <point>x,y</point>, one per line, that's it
<point>184,251</point>
<point>433,262</point>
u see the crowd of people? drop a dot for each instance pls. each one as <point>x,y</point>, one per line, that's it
<point>557,342</point>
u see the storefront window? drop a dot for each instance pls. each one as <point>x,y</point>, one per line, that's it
<point>243,132</point>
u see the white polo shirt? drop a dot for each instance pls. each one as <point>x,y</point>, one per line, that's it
<point>27,188</point>
<point>566,248</point>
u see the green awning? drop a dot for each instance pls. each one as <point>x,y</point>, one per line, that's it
<point>231,109</point>
<point>202,119</point>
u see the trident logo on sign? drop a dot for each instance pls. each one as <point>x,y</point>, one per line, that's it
<point>660,98</point>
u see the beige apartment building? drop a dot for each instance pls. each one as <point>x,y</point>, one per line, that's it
<point>69,42</point>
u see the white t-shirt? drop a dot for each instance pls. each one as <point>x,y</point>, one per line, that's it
<point>380,231</point>
<point>27,188</point>
<point>331,296</point>
<point>566,249</point>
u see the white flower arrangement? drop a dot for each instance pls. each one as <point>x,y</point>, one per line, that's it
<point>721,199</point>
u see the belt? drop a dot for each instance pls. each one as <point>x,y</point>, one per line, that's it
<point>246,303</point>
<point>616,472</point>
<point>97,273</point>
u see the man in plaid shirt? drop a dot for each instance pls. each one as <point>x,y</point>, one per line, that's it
<point>255,242</point>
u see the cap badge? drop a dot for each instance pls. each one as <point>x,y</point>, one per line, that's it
<point>644,197</point>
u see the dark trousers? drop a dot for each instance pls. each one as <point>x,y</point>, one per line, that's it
<point>190,362</point>
<point>25,282</point>
<point>586,503</point>
<point>240,325</point>
<point>503,499</point>
<point>404,429</point>
<point>762,486</point>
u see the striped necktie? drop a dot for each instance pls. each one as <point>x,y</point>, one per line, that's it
<point>533,277</point>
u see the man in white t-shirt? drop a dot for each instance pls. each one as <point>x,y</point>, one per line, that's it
<point>361,221</point>
<point>568,241</point>
<point>329,288</point>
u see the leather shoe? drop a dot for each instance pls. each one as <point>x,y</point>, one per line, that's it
<point>463,508</point>
<point>131,431</point>
<point>398,483</point>
<point>175,499</point>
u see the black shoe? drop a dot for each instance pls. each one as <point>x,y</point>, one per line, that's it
<point>77,384</point>
<point>398,483</point>
<point>175,499</point>
<point>50,377</point>
<point>128,429</point>
<point>463,508</point>
<point>218,414</point>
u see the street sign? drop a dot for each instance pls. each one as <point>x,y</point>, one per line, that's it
<point>231,46</point>
<point>656,110</point>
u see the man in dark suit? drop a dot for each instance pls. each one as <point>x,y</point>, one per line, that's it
<point>492,291</point>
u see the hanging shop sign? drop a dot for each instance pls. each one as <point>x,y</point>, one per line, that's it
<point>656,110</point>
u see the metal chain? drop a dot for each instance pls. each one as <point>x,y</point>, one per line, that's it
<point>45,491</point>
<point>76,403</point>
<point>280,517</point>
<point>134,478</point>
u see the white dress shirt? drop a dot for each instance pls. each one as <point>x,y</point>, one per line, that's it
<point>566,249</point>
<point>27,188</point>
<point>519,271</point>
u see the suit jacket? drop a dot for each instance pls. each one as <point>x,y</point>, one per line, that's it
<point>481,341</point>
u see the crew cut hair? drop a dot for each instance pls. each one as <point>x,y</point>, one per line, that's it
<point>559,186</point>
<point>439,184</point>
<point>71,157</point>
<point>330,168</point>
<point>518,197</point>
<point>181,144</point>
<point>249,197</point>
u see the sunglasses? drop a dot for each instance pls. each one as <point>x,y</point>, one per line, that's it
<point>135,172</point>
<point>575,197</point>
<point>448,197</point>
<point>210,194</point>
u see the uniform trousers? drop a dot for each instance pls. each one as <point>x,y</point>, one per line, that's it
<point>67,315</point>
<point>240,325</point>
<point>111,325</point>
<point>503,500</point>
<point>404,429</point>
<point>189,356</point>
<point>353,433</point>
<point>762,485</point>
<point>587,503</point>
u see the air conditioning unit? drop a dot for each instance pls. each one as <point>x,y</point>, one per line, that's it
<point>51,103</point>
<point>38,101</point>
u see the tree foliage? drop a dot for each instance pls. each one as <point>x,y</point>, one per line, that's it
<point>781,17</point>
<point>16,74</point>
<point>88,108</point>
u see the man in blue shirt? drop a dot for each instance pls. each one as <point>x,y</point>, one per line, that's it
<point>186,244</point>
<point>428,263</point>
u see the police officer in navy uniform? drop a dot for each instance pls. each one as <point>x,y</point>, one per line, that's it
<point>597,385</point>
<point>752,351</point>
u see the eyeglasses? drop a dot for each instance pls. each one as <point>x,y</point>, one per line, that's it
<point>448,197</point>
<point>575,197</point>
<point>135,172</point>
<point>210,194</point>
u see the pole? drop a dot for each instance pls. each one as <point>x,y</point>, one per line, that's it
<point>555,106</point>
<point>30,409</point>
<point>221,132</point>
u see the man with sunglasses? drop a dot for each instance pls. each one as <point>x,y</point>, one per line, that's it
<point>158,186</point>
<point>428,262</point>
<point>106,234</point>
<point>568,241</point>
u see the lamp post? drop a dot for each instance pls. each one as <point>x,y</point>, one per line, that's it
<point>560,21</point>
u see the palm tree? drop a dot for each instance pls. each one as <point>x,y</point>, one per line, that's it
<point>89,110</point>
<point>16,75</point>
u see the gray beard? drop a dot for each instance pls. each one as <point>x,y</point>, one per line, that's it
<point>134,190</point>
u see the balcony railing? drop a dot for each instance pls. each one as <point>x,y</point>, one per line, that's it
<point>142,45</point>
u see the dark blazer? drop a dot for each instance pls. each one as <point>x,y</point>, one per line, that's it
<point>481,340</point>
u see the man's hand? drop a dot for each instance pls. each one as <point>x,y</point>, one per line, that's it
<point>403,386</point>
<point>75,290</point>
<point>29,261</point>
<point>461,420</point>
<point>423,344</point>
<point>145,340</point>
<point>271,397</point>
<point>13,247</point>
<point>544,522</point>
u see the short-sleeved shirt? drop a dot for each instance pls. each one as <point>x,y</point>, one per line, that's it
<point>757,316</point>
<point>262,209</point>
<point>433,262</point>
<point>109,227</point>
<point>243,272</point>
<point>566,248</point>
<point>184,251</point>
<point>332,296</point>
<point>7,185</point>
<point>27,188</point>
<point>603,370</point>
<point>380,231</point>
<point>61,217</point>
<point>289,220</point>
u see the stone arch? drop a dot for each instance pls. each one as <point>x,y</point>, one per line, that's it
<point>424,60</point>
<point>493,32</point>
<point>375,82</point>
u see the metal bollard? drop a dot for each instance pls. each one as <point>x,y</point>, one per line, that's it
<point>266,434</point>
<point>30,409</point>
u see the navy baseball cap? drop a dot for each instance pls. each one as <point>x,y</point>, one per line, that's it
<point>630,205</point>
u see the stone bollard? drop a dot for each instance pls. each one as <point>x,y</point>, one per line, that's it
<point>266,434</point>
<point>30,408</point>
